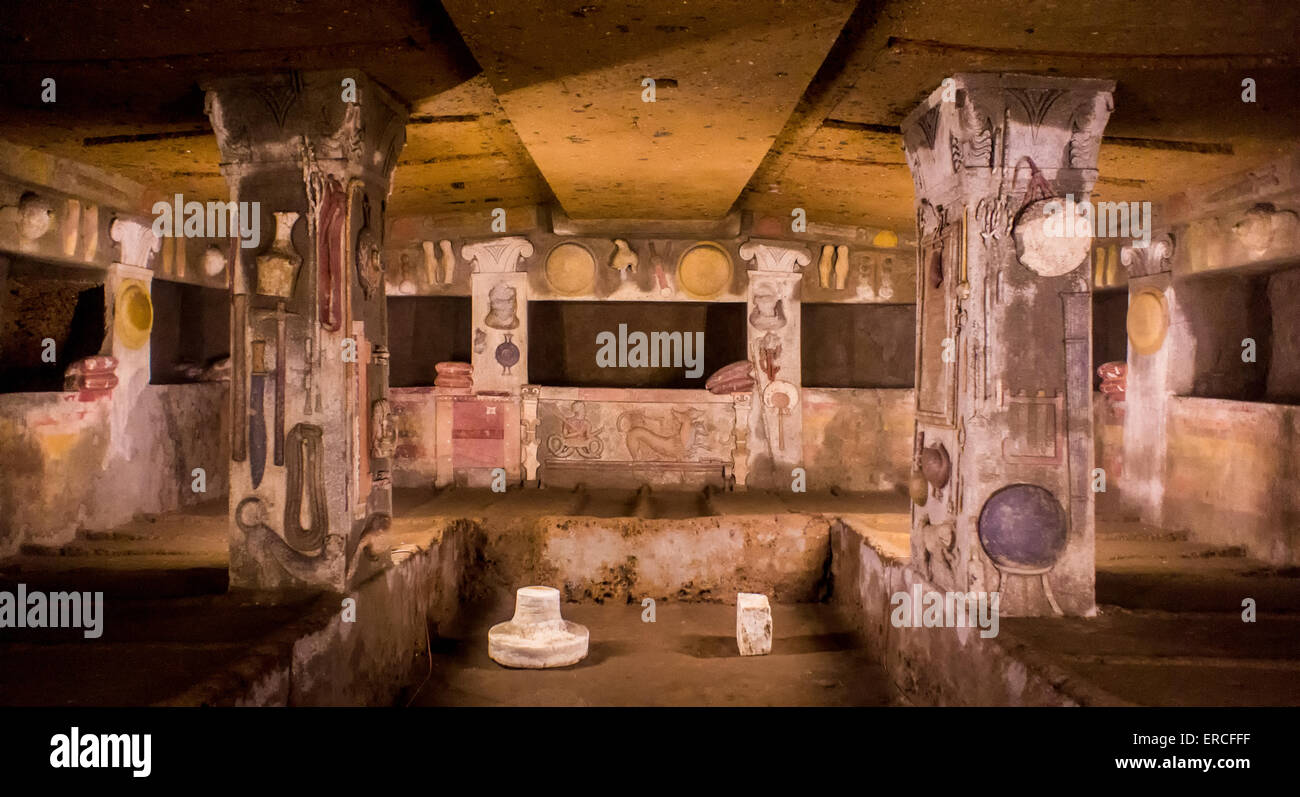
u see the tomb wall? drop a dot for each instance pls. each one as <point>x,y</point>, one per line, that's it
<point>96,444</point>
<point>66,467</point>
<point>1211,426</point>
<point>684,437</point>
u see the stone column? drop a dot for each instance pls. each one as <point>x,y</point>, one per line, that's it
<point>1003,377</point>
<point>309,157</point>
<point>776,425</point>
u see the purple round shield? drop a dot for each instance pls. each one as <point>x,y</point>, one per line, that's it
<point>1023,527</point>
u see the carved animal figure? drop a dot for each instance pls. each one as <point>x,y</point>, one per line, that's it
<point>625,258</point>
<point>680,443</point>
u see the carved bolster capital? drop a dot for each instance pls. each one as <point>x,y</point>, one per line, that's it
<point>498,255</point>
<point>136,241</point>
<point>1145,258</point>
<point>342,116</point>
<point>981,127</point>
<point>775,255</point>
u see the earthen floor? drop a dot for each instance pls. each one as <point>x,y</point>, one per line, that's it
<point>1169,629</point>
<point>686,657</point>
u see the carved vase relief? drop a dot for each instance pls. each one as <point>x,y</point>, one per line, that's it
<point>277,269</point>
<point>507,354</point>
<point>370,268</point>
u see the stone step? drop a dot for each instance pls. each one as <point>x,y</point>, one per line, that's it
<point>1129,551</point>
<point>1134,530</point>
<point>114,534</point>
<point>120,547</point>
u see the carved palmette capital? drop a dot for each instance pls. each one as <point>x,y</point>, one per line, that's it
<point>976,128</point>
<point>136,241</point>
<point>775,255</point>
<point>275,117</point>
<point>1153,258</point>
<point>497,255</point>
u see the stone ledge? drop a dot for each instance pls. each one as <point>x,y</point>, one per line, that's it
<point>939,666</point>
<point>323,660</point>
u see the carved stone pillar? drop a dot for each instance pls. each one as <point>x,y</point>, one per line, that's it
<point>312,441</point>
<point>128,300</point>
<point>1004,373</point>
<point>128,319</point>
<point>1151,375</point>
<point>776,427</point>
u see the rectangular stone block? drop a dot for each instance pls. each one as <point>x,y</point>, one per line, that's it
<point>753,624</point>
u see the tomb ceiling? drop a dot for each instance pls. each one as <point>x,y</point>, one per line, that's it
<point>760,106</point>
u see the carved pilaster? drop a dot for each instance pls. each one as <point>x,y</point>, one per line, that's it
<point>500,313</point>
<point>776,429</point>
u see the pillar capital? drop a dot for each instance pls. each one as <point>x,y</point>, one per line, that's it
<point>978,129</point>
<point>778,256</point>
<point>497,255</point>
<point>351,126</point>
<point>136,242</point>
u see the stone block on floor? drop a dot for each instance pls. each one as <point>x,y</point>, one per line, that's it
<point>753,624</point>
